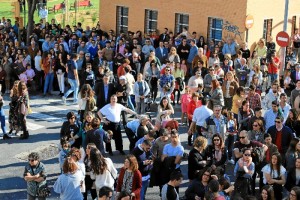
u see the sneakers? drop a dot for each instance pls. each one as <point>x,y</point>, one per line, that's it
<point>231,161</point>
<point>64,100</point>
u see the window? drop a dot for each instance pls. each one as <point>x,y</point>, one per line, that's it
<point>181,20</point>
<point>150,20</point>
<point>215,26</point>
<point>267,30</point>
<point>122,19</point>
<point>294,19</point>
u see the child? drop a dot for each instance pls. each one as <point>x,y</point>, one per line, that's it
<point>183,66</point>
<point>30,75</point>
<point>287,81</point>
<point>65,149</point>
<point>23,77</point>
<point>185,100</point>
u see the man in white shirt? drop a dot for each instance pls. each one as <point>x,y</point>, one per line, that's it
<point>195,80</point>
<point>112,112</point>
<point>284,106</point>
<point>200,115</point>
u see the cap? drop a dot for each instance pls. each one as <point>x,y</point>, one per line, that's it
<point>87,54</point>
<point>122,78</point>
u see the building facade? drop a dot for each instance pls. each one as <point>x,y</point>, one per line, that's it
<point>214,19</point>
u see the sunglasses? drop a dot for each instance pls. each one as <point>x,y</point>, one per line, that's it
<point>242,137</point>
<point>255,125</point>
<point>216,140</point>
<point>278,122</point>
<point>248,155</point>
<point>31,160</point>
<point>167,70</point>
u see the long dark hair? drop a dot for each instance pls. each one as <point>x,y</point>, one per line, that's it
<point>292,147</point>
<point>86,91</point>
<point>270,192</point>
<point>22,88</point>
<point>98,162</point>
<point>278,165</point>
<point>162,105</point>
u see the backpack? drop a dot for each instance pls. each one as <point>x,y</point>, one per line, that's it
<point>258,155</point>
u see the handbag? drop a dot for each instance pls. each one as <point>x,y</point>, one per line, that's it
<point>43,191</point>
<point>115,179</point>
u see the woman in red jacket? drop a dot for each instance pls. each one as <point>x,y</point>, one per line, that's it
<point>195,103</point>
<point>130,178</point>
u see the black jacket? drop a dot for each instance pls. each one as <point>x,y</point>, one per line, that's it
<point>141,156</point>
<point>291,179</point>
<point>99,91</point>
<point>196,188</point>
<point>287,136</point>
<point>193,162</point>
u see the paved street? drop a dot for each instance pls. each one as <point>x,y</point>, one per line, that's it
<point>44,125</point>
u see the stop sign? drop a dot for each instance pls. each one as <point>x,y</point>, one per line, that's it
<point>282,39</point>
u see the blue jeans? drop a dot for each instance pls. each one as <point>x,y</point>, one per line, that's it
<point>2,120</point>
<point>130,104</point>
<point>74,88</point>
<point>48,82</point>
<point>145,185</point>
<point>273,77</point>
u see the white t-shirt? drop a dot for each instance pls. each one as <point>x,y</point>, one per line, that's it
<point>267,170</point>
<point>113,113</point>
<point>37,62</point>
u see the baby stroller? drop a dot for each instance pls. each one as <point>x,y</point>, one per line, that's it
<point>148,102</point>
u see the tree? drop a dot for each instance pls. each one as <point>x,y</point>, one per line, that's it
<point>31,5</point>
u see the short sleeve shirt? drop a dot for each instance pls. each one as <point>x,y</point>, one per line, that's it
<point>267,169</point>
<point>252,144</point>
<point>170,150</point>
<point>113,113</point>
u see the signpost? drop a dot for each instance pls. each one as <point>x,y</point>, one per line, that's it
<point>249,22</point>
<point>282,39</point>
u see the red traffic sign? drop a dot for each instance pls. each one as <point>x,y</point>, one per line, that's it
<point>282,39</point>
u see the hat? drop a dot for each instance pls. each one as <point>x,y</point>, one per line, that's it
<point>88,54</point>
<point>122,78</point>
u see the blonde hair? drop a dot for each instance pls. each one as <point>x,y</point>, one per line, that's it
<point>200,142</point>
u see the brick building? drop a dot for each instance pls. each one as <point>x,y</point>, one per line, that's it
<point>215,19</point>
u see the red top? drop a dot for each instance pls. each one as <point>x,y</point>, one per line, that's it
<point>121,71</point>
<point>272,69</point>
<point>278,140</point>
<point>191,107</point>
<point>136,183</point>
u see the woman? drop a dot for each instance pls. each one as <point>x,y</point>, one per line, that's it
<point>261,48</point>
<point>152,76</point>
<point>35,176</point>
<point>194,103</point>
<point>60,69</point>
<point>293,121</point>
<point>256,83</point>
<point>185,101</point>
<point>245,50</point>
<point>2,119</point>
<point>256,71</point>
<point>84,128</point>
<point>229,88</point>
<point>216,94</point>
<point>214,59</point>
<point>70,128</point>
<point>267,193</point>
<point>293,175</point>
<point>197,159</point>
<point>103,170</point>
<point>48,64</point>
<point>237,100</point>
<point>216,152</point>
<point>292,153</point>
<point>294,193</point>
<point>254,60</point>
<point>257,132</point>
<point>173,56</point>
<point>145,127</point>
<point>69,184</point>
<point>244,115</point>
<point>274,174</point>
<point>199,186</point>
<point>201,42</point>
<point>13,109</point>
<point>89,183</point>
<point>141,90</point>
<point>9,73</point>
<point>86,101</point>
<point>178,74</point>
<point>23,105</point>
<point>130,178</point>
<point>243,171</point>
<point>165,109</point>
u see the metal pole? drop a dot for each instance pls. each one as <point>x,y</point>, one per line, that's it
<point>285,21</point>
<point>24,13</point>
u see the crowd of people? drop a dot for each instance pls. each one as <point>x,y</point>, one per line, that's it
<point>237,106</point>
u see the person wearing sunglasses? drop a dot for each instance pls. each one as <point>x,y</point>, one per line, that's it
<point>281,135</point>
<point>35,176</point>
<point>243,171</point>
<point>216,152</point>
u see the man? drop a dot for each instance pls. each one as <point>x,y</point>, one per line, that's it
<point>193,52</point>
<point>199,117</point>
<point>161,52</point>
<point>73,44</point>
<point>120,46</point>
<point>281,135</point>
<point>272,148</point>
<point>195,80</point>
<point>105,193</point>
<point>208,79</point>
<point>295,75</point>
<point>167,80</point>
<point>108,54</point>
<point>103,91</point>
<point>295,93</point>
<point>93,49</point>
<point>253,97</point>
<point>82,47</point>
<point>169,191</point>
<point>147,48</point>
<point>73,80</point>
<point>122,92</point>
<point>200,56</point>
<point>46,45</point>
<point>164,36</point>
<point>284,106</point>
<point>32,51</point>
<point>183,49</point>
<point>242,71</point>
<point>144,158</point>
<point>112,112</point>
<point>273,67</point>
<point>131,132</point>
<point>215,124</point>
<point>271,114</point>
<point>230,48</point>
<point>257,115</point>
<point>34,175</point>
<point>271,96</point>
